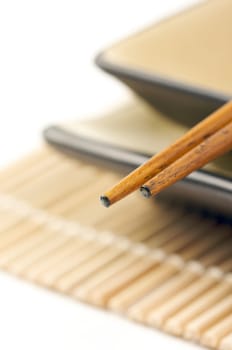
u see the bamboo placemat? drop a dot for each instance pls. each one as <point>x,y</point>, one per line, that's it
<point>155,263</point>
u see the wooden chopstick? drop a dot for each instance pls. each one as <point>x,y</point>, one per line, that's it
<point>155,165</point>
<point>213,147</point>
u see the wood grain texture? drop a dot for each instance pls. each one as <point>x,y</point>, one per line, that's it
<point>213,147</point>
<point>198,134</point>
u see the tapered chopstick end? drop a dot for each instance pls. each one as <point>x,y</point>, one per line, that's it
<point>145,191</point>
<point>105,201</point>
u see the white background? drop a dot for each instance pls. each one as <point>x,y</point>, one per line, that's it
<point>46,76</point>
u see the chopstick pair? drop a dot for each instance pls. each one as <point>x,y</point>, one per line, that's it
<point>206,141</point>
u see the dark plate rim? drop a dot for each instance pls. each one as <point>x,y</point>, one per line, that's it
<point>158,80</point>
<point>200,189</point>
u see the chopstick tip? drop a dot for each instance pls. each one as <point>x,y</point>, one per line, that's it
<point>145,191</point>
<point>105,201</point>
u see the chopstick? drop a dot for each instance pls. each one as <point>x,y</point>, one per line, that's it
<point>208,150</point>
<point>194,137</point>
